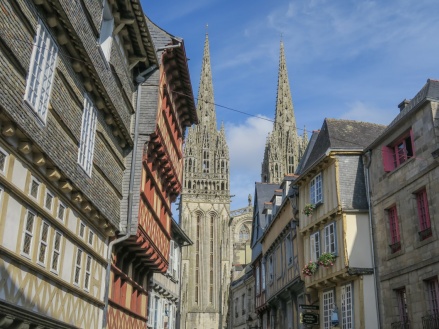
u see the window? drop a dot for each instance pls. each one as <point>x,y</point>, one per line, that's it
<point>315,246</point>
<point>151,310</point>
<point>87,273</point>
<point>28,233</point>
<point>328,305</point>
<point>395,238</point>
<point>90,237</point>
<point>34,188</point>
<point>42,246</point>
<point>41,72</point>
<point>347,310</point>
<point>106,34</point>
<point>402,305</point>
<point>156,311</point>
<point>330,239</point>
<point>212,233</point>
<point>244,233</point>
<point>270,268</point>
<point>398,152</point>
<point>258,285</point>
<point>61,211</point>
<point>171,257</point>
<point>289,249</point>
<point>423,215</point>
<point>433,295</point>
<point>316,190</point>
<point>81,229</point>
<point>56,251</point>
<point>236,307</point>
<point>263,276</point>
<point>88,132</point>
<point>278,261</point>
<point>243,304</point>
<point>48,202</point>
<point>3,158</point>
<point>78,265</point>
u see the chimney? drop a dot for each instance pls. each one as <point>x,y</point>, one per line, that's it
<point>403,104</point>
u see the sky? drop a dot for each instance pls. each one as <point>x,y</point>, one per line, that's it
<point>346,59</point>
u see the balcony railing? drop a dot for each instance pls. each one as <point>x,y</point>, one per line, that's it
<point>430,321</point>
<point>401,325</point>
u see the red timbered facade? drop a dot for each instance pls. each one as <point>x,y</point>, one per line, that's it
<point>147,252</point>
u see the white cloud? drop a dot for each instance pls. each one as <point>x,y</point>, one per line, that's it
<point>368,113</point>
<point>246,147</point>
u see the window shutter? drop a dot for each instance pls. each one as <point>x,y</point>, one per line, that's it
<point>387,155</point>
<point>413,142</point>
<point>312,240</point>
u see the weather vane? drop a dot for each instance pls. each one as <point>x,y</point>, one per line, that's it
<point>207,28</point>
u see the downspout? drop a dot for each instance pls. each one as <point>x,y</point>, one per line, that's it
<point>367,162</point>
<point>139,79</point>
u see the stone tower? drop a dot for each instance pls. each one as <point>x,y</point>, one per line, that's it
<point>284,147</point>
<point>204,215</point>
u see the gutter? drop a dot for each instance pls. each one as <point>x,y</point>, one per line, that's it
<point>367,162</point>
<point>139,79</point>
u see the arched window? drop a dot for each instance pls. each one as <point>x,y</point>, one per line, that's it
<point>244,233</point>
<point>197,259</point>
<point>212,234</point>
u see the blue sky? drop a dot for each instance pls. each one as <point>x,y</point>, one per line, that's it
<point>346,59</point>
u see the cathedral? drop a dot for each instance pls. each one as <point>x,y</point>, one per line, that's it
<point>284,148</point>
<point>221,238</point>
<point>204,215</point>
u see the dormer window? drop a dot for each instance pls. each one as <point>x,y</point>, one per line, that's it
<point>106,35</point>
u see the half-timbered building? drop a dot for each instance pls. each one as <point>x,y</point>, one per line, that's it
<point>165,107</point>
<point>67,74</point>
<point>334,224</point>
<point>281,250</point>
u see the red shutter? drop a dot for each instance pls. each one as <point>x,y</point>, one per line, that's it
<point>387,155</point>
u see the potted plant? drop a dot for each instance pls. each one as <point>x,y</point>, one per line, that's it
<point>327,259</point>
<point>309,208</point>
<point>310,268</point>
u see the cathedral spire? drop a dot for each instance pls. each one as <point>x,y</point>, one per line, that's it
<point>284,147</point>
<point>205,105</point>
<point>284,114</point>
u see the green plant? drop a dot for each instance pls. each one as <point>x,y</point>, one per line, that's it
<point>327,259</point>
<point>310,268</point>
<point>309,208</point>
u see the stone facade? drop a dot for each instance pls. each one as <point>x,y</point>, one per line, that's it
<point>240,233</point>
<point>204,215</point>
<point>404,189</point>
<point>242,302</point>
<point>284,148</point>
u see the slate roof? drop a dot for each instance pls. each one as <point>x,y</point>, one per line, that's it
<point>307,152</point>
<point>263,193</point>
<point>161,39</point>
<point>430,92</point>
<point>342,135</point>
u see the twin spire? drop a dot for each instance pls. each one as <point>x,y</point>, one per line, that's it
<point>284,147</point>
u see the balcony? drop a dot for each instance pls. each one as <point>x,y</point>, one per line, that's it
<point>430,321</point>
<point>401,325</point>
